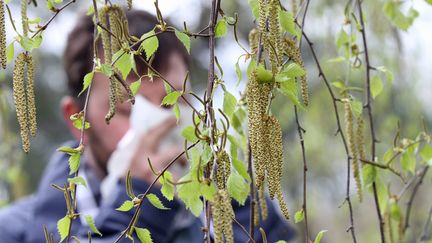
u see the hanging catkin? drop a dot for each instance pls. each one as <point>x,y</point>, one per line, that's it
<point>360,138</point>
<point>23,93</point>
<point>263,203</point>
<point>2,36</point>
<point>24,18</point>
<point>223,169</point>
<point>129,4</point>
<point>112,99</point>
<point>106,40</point>
<point>349,127</point>
<point>223,214</point>
<point>275,159</point>
<point>292,51</point>
<point>273,43</point>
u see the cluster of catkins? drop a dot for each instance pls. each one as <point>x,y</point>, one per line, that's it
<point>115,32</point>
<point>222,210</point>
<point>264,129</point>
<point>355,142</point>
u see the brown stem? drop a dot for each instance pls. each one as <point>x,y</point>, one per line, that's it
<point>413,194</point>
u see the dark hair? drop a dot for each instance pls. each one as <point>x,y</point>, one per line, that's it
<point>78,55</point>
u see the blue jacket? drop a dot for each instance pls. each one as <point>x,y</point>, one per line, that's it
<point>23,221</point>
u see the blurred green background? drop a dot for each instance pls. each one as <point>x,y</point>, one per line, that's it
<point>405,101</point>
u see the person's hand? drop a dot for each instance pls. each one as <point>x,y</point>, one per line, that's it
<point>148,148</point>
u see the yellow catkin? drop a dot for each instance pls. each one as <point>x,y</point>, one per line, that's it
<point>256,213</point>
<point>129,4</point>
<point>31,104</point>
<point>360,138</point>
<point>349,129</point>
<point>24,18</point>
<point>273,43</point>
<point>106,40</point>
<point>116,17</point>
<point>223,214</point>
<point>282,205</point>
<point>293,52</point>
<point>294,7</point>
<point>257,97</point>
<point>253,41</point>
<point>20,100</point>
<point>112,99</point>
<point>262,203</point>
<point>2,36</point>
<point>223,169</point>
<point>262,16</point>
<point>275,148</point>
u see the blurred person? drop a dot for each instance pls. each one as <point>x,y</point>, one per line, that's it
<point>23,221</point>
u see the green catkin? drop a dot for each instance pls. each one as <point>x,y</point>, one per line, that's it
<point>253,41</point>
<point>112,99</point>
<point>106,40</point>
<point>360,138</point>
<point>24,18</point>
<point>223,170</point>
<point>20,100</point>
<point>349,127</point>
<point>262,17</point>
<point>275,147</point>
<point>223,214</point>
<point>2,36</point>
<point>116,17</point>
<point>273,43</point>
<point>31,104</point>
<point>129,4</point>
<point>294,7</point>
<point>262,203</point>
<point>293,52</point>
<point>282,205</point>
<point>256,213</point>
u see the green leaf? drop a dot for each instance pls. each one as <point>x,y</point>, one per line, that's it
<point>171,98</point>
<point>78,180</point>
<point>263,75</point>
<point>255,8</point>
<point>150,43</point>
<point>123,63</point>
<point>221,28</point>
<point>229,104</point>
<point>388,73</point>
<point>77,123</point>
<point>357,108</point>
<point>37,41</point>
<point>68,150</point>
<point>299,216</point>
<point>426,153</point>
<point>74,163</point>
<point>106,69</point>
<point>134,87</point>
<point>63,227</point>
<point>376,86</point>
<point>342,39</point>
<point>238,72</point>
<point>92,225</point>
<point>280,241</point>
<point>167,188</point>
<point>184,38</point>
<point>369,174</point>
<point>155,201</point>
<point>88,78</point>
<point>189,133</point>
<point>126,206</point>
<point>10,51</point>
<point>208,191</point>
<point>176,110</point>
<point>408,162</point>
<point>187,193</point>
<point>289,89</point>
<point>319,236</point>
<point>144,235</point>
<point>287,22</point>
<point>292,70</point>
<point>397,18</point>
<point>26,43</point>
<point>238,188</point>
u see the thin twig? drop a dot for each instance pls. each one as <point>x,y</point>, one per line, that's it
<point>411,199</point>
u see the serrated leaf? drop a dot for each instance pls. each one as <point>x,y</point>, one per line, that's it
<point>92,225</point>
<point>208,191</point>
<point>68,150</point>
<point>144,235</point>
<point>150,43</point>
<point>183,38</point>
<point>10,51</point>
<point>289,89</point>
<point>171,98</point>
<point>287,22</point>
<point>63,227</point>
<point>106,69</point>
<point>155,201</point>
<point>319,236</point>
<point>238,188</point>
<point>123,63</point>
<point>292,70</point>
<point>342,39</point>
<point>37,41</point>
<point>26,43</point>
<point>126,206</point>
<point>187,193</point>
<point>388,73</point>
<point>396,17</point>
<point>189,133</point>
<point>88,78</point>
<point>74,163</point>
<point>408,162</point>
<point>220,28</point>
<point>369,174</point>
<point>167,188</point>
<point>263,75</point>
<point>299,216</point>
<point>78,180</point>
<point>77,123</point>
<point>229,104</point>
<point>376,86</point>
<point>134,87</point>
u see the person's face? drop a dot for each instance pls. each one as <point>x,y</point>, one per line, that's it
<point>102,138</point>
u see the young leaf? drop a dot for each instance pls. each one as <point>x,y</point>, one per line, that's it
<point>299,216</point>
<point>238,72</point>
<point>238,188</point>
<point>319,236</point>
<point>408,162</point>
<point>221,28</point>
<point>376,86</point>
<point>10,52</point>
<point>135,86</point>
<point>88,78</point>
<point>78,180</point>
<point>106,69</point>
<point>92,225</point>
<point>144,235</point>
<point>74,163</point>
<point>68,150</point>
<point>287,22</point>
<point>189,133</point>
<point>184,38</point>
<point>229,104</point>
<point>171,98</point>
<point>167,188</point>
<point>150,43</point>
<point>123,63</point>
<point>264,75</point>
<point>176,110</point>
<point>63,227</point>
<point>126,206</point>
<point>155,201</point>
